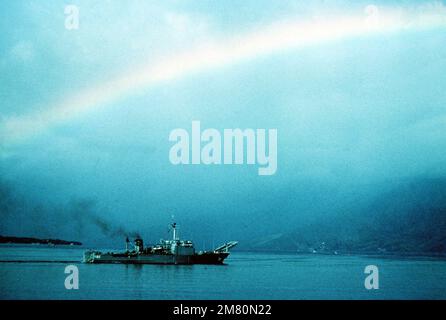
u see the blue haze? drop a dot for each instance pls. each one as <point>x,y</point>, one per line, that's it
<point>355,118</point>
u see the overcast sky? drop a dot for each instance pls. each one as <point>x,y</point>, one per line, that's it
<point>356,92</point>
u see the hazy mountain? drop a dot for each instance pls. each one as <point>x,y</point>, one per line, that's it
<point>410,218</point>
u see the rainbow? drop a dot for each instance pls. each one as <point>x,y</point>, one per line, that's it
<point>274,38</point>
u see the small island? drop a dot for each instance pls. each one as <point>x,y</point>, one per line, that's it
<point>26,240</point>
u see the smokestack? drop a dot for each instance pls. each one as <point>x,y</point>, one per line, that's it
<point>139,246</point>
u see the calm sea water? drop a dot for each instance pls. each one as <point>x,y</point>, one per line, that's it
<point>245,276</point>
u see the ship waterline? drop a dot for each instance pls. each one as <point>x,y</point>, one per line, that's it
<point>174,251</point>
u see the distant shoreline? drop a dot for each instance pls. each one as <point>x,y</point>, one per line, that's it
<point>34,241</point>
<point>29,240</point>
<point>352,253</point>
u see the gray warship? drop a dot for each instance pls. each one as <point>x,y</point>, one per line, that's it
<point>174,251</point>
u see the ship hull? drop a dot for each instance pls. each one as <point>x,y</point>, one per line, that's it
<point>165,259</point>
<point>210,258</point>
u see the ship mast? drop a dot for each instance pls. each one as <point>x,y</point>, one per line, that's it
<point>174,231</point>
